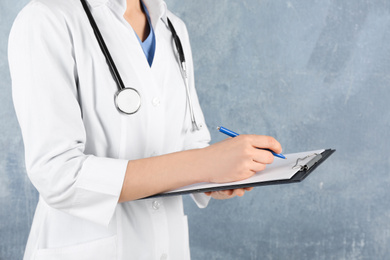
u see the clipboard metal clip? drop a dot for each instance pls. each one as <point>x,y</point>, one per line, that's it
<point>309,164</point>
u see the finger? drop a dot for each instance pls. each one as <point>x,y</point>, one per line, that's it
<point>256,167</point>
<point>239,192</point>
<point>262,156</point>
<point>222,195</point>
<point>227,192</point>
<point>267,142</point>
<point>249,188</point>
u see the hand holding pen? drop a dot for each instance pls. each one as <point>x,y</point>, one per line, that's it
<point>236,158</point>
<point>234,134</point>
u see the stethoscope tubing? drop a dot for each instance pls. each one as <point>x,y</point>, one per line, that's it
<point>183,69</point>
<point>117,77</point>
<point>104,48</point>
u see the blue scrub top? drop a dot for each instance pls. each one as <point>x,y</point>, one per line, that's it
<point>149,45</point>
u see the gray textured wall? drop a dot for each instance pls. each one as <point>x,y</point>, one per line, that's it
<point>312,73</point>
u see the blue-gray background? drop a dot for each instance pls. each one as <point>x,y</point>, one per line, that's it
<point>312,73</point>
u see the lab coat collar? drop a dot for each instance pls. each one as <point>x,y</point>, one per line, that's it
<point>157,8</point>
<point>96,3</point>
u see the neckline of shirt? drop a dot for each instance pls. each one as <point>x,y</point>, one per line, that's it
<point>148,39</point>
<point>149,44</point>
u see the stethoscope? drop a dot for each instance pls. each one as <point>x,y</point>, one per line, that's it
<point>128,100</point>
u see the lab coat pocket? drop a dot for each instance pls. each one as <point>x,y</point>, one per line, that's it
<point>102,249</point>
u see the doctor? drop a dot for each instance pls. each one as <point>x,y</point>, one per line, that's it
<point>90,162</point>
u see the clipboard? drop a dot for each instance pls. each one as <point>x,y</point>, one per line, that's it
<point>294,169</point>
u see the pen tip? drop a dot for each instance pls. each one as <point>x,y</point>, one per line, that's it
<point>218,127</point>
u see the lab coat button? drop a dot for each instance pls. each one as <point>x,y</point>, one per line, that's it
<point>156,101</point>
<point>164,257</point>
<point>155,205</point>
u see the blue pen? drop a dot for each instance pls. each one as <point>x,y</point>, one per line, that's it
<point>234,134</point>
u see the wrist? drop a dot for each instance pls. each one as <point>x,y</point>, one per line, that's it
<point>200,169</point>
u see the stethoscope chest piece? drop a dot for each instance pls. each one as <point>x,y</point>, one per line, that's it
<point>128,100</point>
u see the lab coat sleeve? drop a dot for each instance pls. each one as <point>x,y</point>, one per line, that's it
<point>44,85</point>
<point>194,139</point>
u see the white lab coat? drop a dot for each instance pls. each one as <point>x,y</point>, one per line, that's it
<point>77,145</point>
